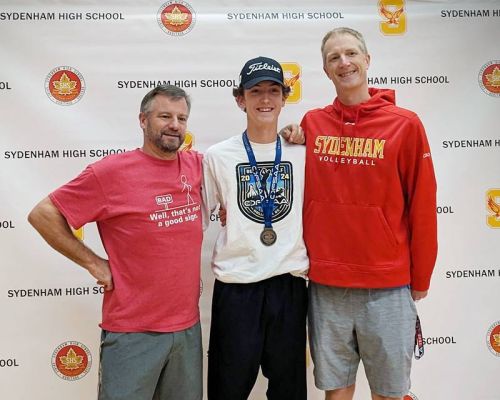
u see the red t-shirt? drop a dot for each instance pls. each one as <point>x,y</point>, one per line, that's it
<point>148,212</point>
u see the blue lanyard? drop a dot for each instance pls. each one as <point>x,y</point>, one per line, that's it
<point>266,199</point>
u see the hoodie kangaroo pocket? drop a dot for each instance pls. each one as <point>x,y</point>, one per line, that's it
<point>348,233</point>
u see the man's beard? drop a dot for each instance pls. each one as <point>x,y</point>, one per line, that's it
<point>171,146</point>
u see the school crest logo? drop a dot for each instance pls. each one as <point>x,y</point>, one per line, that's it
<point>410,396</point>
<point>394,17</point>
<point>292,74</point>
<point>176,18</point>
<point>188,142</point>
<point>64,86</point>
<point>248,193</point>
<point>493,339</point>
<point>71,360</point>
<point>493,207</point>
<point>489,78</point>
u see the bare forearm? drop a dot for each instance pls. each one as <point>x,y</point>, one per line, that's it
<point>53,227</point>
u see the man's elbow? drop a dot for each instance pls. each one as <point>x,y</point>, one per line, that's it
<point>33,216</point>
<point>39,213</point>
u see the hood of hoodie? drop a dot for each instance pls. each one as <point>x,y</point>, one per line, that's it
<point>352,114</point>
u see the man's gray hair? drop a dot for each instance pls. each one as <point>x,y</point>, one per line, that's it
<point>171,91</point>
<point>344,31</point>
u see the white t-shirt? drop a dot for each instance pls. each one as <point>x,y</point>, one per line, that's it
<point>239,256</point>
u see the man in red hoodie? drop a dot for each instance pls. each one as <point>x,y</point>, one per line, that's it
<point>369,226</point>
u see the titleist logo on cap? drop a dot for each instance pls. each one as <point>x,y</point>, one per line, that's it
<point>261,69</point>
<point>260,66</point>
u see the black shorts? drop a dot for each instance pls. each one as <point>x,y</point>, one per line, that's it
<point>261,324</point>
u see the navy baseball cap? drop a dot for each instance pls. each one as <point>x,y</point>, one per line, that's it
<point>261,69</point>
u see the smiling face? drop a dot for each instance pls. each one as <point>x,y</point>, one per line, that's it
<point>164,125</point>
<point>345,63</point>
<point>262,102</point>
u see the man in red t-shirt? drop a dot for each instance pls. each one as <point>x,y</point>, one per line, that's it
<point>147,206</point>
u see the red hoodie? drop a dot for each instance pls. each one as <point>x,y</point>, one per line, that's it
<point>370,195</point>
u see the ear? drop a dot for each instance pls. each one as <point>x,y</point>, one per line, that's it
<point>142,120</point>
<point>326,72</point>
<point>367,61</point>
<point>240,101</point>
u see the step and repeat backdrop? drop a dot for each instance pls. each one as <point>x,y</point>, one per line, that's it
<point>72,75</point>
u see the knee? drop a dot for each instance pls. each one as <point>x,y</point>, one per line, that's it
<point>340,394</point>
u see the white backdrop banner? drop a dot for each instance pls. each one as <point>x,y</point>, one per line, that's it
<point>72,75</point>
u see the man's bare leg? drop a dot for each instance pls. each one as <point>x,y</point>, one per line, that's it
<point>377,397</point>
<point>340,394</point>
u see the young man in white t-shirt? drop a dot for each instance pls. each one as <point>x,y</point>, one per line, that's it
<point>260,261</point>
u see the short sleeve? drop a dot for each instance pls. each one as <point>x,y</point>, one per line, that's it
<point>81,200</point>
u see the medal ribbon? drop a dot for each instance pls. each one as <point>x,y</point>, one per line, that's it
<point>267,202</point>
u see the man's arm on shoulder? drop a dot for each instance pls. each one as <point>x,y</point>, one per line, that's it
<point>293,133</point>
<point>211,190</point>
<point>53,227</point>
